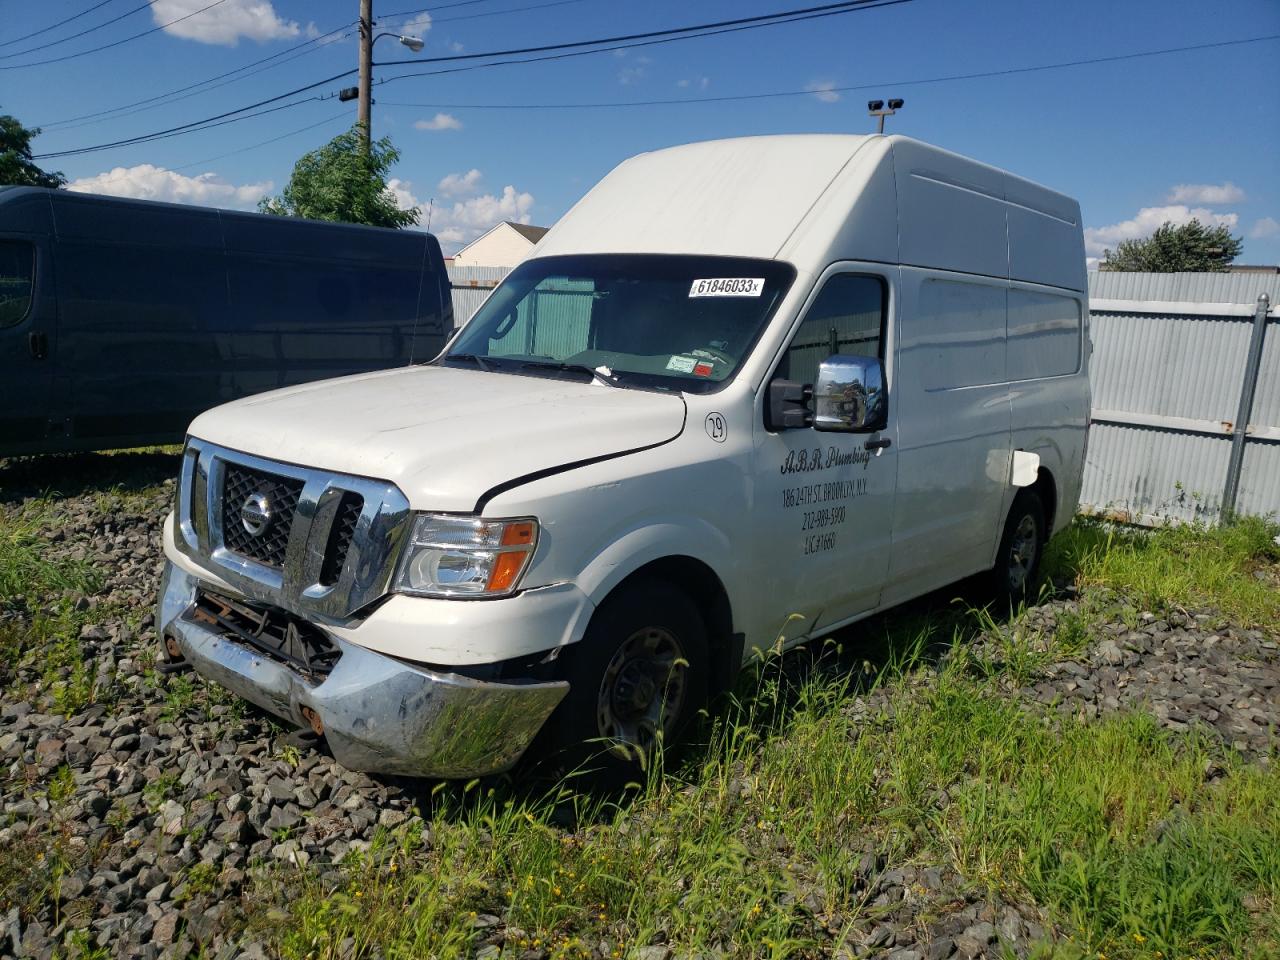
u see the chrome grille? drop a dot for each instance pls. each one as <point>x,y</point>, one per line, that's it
<point>340,534</point>
<point>329,550</point>
<point>282,493</point>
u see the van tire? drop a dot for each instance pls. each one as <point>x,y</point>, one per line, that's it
<point>1021,549</point>
<point>611,703</point>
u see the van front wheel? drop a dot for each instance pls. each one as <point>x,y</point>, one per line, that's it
<point>636,679</point>
<point>1021,547</point>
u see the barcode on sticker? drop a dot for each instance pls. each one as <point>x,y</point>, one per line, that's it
<point>728,287</point>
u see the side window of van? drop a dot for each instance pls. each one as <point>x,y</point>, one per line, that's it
<point>846,317</point>
<point>17,271</point>
<point>1044,335</point>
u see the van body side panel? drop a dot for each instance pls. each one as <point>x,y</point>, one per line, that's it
<point>315,301</point>
<point>145,330</point>
<point>950,211</point>
<point>1050,384</point>
<point>953,413</point>
<point>28,326</point>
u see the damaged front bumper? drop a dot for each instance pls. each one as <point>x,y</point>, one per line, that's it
<point>378,714</point>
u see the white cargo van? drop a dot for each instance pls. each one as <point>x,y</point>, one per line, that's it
<point>744,390</point>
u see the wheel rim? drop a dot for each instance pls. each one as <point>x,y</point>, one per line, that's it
<point>643,691</point>
<point>1022,551</point>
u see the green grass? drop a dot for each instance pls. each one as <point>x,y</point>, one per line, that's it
<point>24,571</point>
<point>755,846</point>
<point>1177,566</point>
<point>1110,827</point>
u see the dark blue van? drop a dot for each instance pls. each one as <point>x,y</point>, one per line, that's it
<point>120,320</point>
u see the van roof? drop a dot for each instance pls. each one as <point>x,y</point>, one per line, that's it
<point>813,199</point>
<point>102,218</point>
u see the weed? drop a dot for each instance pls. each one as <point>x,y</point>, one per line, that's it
<point>62,786</point>
<point>158,790</point>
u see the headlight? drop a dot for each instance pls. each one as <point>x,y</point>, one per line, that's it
<point>466,556</point>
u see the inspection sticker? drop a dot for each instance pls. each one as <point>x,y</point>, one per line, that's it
<point>728,287</point>
<point>681,364</point>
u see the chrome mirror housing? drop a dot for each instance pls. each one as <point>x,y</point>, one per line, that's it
<point>849,394</point>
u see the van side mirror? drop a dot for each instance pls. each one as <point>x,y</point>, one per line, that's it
<point>849,395</point>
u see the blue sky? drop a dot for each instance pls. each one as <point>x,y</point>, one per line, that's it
<point>1137,141</point>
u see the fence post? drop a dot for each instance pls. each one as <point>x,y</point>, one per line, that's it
<point>1239,435</point>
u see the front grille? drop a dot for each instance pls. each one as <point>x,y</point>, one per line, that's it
<point>281,494</point>
<point>340,534</point>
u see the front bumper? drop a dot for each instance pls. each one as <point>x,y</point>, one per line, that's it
<point>379,714</point>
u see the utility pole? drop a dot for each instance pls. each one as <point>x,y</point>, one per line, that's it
<point>363,115</point>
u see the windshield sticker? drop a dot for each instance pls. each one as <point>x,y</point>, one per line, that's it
<point>681,364</point>
<point>728,287</point>
<point>702,369</point>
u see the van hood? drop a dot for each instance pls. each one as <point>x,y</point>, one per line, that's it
<point>444,436</point>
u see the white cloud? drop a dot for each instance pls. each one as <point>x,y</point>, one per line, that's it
<point>636,71</point>
<point>225,23</point>
<point>470,214</point>
<point>1147,220</point>
<point>148,182</point>
<point>467,219</point>
<point>416,26</point>
<point>1264,228</point>
<point>1208,193</point>
<point>456,47</point>
<point>403,192</point>
<point>461,184</point>
<point>823,90</point>
<point>441,121</point>
<point>697,83</point>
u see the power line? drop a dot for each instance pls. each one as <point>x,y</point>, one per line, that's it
<point>55,26</point>
<point>660,36</point>
<point>254,146</point>
<point>863,5</point>
<point>829,9</point>
<point>70,123</point>
<point>846,89</point>
<point>163,99</point>
<point>107,46</point>
<point>206,123</point>
<point>438,6</point>
<point>96,26</point>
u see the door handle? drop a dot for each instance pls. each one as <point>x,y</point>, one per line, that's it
<point>38,344</point>
<point>878,444</point>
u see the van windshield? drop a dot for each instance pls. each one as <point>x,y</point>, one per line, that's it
<point>647,320</point>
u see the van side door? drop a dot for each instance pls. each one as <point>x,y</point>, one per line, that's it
<point>28,331</point>
<point>824,503</point>
<point>954,423</point>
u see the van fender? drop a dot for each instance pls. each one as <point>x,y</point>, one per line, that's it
<point>672,536</point>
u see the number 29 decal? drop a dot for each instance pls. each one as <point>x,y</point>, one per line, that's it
<point>717,427</point>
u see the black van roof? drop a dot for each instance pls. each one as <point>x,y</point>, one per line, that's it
<point>98,217</point>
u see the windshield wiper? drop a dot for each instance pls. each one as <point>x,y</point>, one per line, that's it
<point>479,361</point>
<point>591,372</point>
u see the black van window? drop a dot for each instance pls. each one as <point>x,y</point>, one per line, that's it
<point>846,317</point>
<point>17,270</point>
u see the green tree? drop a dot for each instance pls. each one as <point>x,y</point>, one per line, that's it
<point>341,182</point>
<point>16,165</point>
<point>1191,247</point>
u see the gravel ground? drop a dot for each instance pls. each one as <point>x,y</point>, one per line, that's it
<point>176,792</point>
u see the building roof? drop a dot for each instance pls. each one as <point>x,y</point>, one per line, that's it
<point>527,230</point>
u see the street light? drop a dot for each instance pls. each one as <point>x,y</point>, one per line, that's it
<point>876,109</point>
<point>364,91</point>
<point>413,43</point>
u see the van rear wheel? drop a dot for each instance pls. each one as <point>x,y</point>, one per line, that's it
<point>636,679</point>
<point>1021,548</point>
